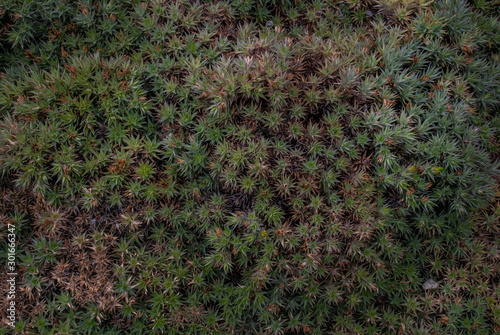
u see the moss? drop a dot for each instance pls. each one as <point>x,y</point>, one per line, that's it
<point>246,166</point>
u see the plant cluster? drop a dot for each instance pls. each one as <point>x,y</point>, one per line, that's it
<point>244,166</point>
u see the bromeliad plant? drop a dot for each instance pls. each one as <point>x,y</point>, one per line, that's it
<point>272,167</point>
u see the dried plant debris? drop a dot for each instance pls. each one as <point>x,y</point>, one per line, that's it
<point>250,166</point>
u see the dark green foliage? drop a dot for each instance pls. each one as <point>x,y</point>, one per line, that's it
<point>268,167</point>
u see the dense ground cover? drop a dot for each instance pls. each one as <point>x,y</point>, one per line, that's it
<point>237,167</point>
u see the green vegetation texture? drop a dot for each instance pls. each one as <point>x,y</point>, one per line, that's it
<point>251,166</point>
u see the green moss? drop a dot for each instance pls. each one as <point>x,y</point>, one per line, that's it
<point>242,166</point>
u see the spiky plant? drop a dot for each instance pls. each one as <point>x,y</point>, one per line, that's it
<point>251,166</point>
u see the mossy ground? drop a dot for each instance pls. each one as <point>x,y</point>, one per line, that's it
<point>237,167</point>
